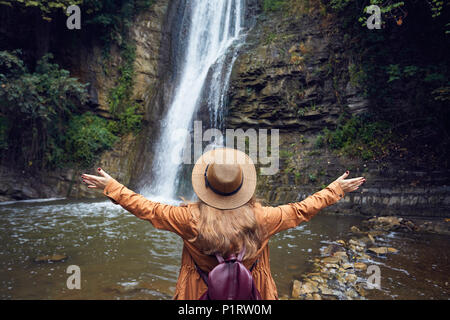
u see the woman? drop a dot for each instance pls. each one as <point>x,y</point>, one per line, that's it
<point>225,219</point>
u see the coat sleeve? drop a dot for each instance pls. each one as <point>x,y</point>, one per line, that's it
<point>161,216</point>
<point>287,216</point>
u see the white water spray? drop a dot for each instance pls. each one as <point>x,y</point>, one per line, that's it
<point>215,31</point>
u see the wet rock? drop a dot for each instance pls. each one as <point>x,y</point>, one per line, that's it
<point>366,240</point>
<point>316,296</point>
<point>351,278</point>
<point>389,223</point>
<point>331,260</point>
<point>362,256</point>
<point>296,289</point>
<point>331,249</point>
<point>360,266</point>
<point>342,256</point>
<point>356,248</point>
<point>392,250</point>
<point>308,288</point>
<point>360,289</point>
<point>375,233</point>
<point>341,242</point>
<point>326,291</point>
<point>51,258</point>
<point>378,250</point>
<point>351,294</point>
<point>356,243</point>
<point>317,279</point>
<point>347,266</point>
<point>355,229</point>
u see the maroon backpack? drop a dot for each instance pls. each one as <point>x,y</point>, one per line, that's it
<point>230,280</point>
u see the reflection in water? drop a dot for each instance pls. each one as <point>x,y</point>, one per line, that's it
<point>122,257</point>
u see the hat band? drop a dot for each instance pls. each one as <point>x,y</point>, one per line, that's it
<point>208,185</point>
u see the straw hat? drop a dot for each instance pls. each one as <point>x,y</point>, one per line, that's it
<point>224,178</point>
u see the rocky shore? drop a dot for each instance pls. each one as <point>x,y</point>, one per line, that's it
<point>343,271</point>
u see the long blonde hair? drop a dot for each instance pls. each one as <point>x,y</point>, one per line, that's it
<point>226,231</point>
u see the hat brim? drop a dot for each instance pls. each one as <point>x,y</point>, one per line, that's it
<point>226,155</point>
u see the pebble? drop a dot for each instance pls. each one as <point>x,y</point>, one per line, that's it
<point>360,266</point>
<point>379,250</point>
<point>331,260</point>
<point>308,288</point>
<point>51,258</point>
<point>317,296</point>
<point>351,278</point>
<point>296,289</point>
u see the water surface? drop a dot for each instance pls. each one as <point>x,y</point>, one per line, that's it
<point>123,257</point>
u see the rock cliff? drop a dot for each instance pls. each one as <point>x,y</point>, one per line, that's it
<point>293,75</point>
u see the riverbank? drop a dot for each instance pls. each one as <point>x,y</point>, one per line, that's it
<point>350,268</point>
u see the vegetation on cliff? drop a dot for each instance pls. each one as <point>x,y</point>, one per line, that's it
<point>45,117</point>
<point>402,69</point>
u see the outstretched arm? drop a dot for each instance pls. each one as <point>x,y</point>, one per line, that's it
<point>287,216</point>
<point>162,216</point>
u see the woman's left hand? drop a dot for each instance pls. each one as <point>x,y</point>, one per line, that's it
<point>96,181</point>
<point>349,185</point>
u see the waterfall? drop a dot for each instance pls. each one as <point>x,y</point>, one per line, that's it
<point>215,31</point>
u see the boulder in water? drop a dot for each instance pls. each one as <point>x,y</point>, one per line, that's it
<point>51,258</point>
<point>360,266</point>
<point>296,289</point>
<point>331,260</point>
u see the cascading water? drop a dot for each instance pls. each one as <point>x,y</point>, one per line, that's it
<point>214,35</point>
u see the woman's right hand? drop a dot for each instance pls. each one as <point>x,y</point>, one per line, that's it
<point>349,185</point>
<point>96,181</point>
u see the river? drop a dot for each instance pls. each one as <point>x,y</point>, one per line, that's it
<point>122,257</point>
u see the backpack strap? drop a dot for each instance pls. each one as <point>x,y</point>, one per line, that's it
<point>202,274</point>
<point>241,254</point>
<point>253,265</point>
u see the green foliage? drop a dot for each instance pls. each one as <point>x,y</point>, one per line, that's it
<point>4,125</point>
<point>339,4</point>
<point>312,177</point>
<point>286,154</point>
<point>47,7</point>
<point>120,100</point>
<point>273,5</point>
<point>37,105</point>
<point>109,19</point>
<point>403,71</point>
<point>124,89</point>
<point>359,136</point>
<point>394,72</point>
<point>430,74</point>
<point>40,120</point>
<point>128,121</point>
<point>112,19</point>
<point>87,136</point>
<point>357,75</point>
